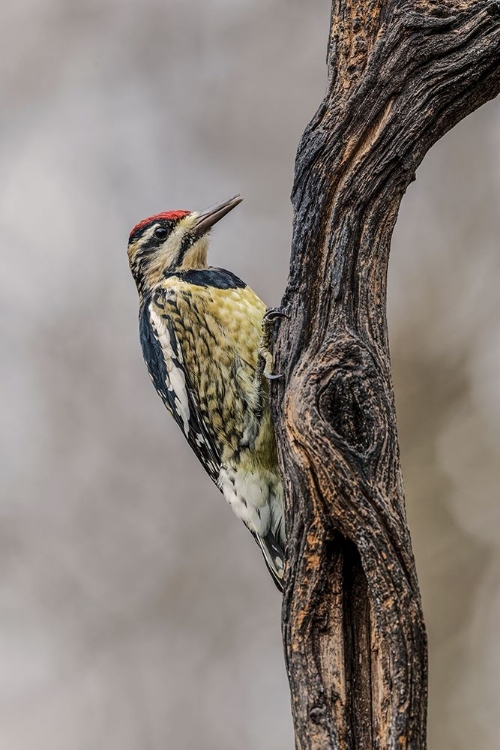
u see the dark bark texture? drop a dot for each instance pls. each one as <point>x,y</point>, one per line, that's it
<point>401,73</point>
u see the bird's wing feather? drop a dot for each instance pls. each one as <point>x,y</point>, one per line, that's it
<point>163,356</point>
<point>274,557</point>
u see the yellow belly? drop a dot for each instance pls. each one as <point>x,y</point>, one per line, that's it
<point>219,331</point>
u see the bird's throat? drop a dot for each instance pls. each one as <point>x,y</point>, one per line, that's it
<point>195,258</point>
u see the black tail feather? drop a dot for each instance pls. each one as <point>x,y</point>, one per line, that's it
<point>274,557</point>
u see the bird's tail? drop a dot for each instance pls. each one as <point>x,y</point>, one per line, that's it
<point>274,557</point>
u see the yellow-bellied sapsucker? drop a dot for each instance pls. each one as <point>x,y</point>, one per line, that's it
<point>201,333</point>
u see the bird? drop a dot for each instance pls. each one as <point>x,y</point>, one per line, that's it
<point>204,335</point>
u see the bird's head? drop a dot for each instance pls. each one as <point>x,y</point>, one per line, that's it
<point>172,242</point>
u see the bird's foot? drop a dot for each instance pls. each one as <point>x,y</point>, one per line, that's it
<point>272,315</point>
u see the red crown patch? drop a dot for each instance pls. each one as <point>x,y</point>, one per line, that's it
<point>168,215</point>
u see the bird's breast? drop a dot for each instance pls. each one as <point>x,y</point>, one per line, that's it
<point>219,332</point>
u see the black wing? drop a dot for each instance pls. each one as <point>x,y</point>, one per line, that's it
<point>163,356</point>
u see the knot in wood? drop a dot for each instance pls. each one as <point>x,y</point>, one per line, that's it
<point>317,714</point>
<point>493,8</point>
<point>352,396</point>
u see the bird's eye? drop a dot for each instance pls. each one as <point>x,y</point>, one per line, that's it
<point>160,233</point>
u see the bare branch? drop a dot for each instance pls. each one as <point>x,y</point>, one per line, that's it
<point>400,75</point>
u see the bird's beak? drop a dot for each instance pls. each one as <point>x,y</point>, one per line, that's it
<point>206,219</point>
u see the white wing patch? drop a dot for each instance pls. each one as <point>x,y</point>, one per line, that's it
<point>176,379</point>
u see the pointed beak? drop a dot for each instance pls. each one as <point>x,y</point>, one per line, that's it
<point>206,219</point>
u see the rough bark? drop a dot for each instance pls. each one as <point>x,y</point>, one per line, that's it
<point>401,73</point>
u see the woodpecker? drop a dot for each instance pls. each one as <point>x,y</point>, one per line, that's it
<point>201,331</point>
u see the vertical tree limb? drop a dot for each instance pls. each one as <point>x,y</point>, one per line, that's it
<point>401,73</point>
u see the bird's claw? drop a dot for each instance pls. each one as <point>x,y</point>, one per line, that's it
<point>274,313</point>
<point>266,358</point>
<point>270,376</point>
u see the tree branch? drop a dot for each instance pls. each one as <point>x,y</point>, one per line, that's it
<point>401,73</point>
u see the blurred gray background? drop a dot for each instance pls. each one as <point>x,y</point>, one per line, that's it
<point>135,611</point>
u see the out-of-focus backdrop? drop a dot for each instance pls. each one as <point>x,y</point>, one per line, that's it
<point>135,611</point>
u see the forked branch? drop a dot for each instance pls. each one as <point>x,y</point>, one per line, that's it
<point>401,73</point>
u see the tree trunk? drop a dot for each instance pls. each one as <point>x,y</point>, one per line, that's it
<point>401,73</point>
